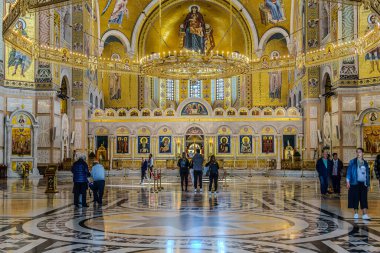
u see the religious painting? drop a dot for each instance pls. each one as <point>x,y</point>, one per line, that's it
<point>194,108</point>
<point>267,144</point>
<point>194,28</point>
<point>371,139</point>
<point>119,11</point>
<point>288,140</point>
<point>165,144</point>
<point>22,168</point>
<point>21,141</point>
<point>101,147</point>
<point>19,65</point>
<point>245,144</point>
<point>272,12</point>
<point>275,83</point>
<point>143,144</point>
<point>224,144</point>
<point>373,57</point>
<point>122,144</point>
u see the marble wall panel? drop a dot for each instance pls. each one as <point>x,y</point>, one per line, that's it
<point>44,106</point>
<point>44,131</point>
<point>56,155</point>
<point>16,103</point>
<point>348,154</point>
<point>349,130</point>
<point>1,156</point>
<point>349,104</point>
<point>57,107</point>
<point>365,101</point>
<point>58,131</point>
<point>334,130</point>
<point>78,135</point>
<point>78,113</point>
<point>313,134</point>
<point>313,112</point>
<point>43,156</point>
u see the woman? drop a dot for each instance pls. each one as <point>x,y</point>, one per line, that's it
<point>144,168</point>
<point>358,183</point>
<point>214,172</point>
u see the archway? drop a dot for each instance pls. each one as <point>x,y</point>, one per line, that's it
<point>194,139</point>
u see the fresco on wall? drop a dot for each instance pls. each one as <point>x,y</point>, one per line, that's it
<point>119,11</point>
<point>19,66</point>
<point>275,82</point>
<point>267,144</point>
<point>122,144</point>
<point>371,137</point>
<point>245,144</point>
<point>143,144</point>
<point>22,168</point>
<point>165,144</point>
<point>224,144</point>
<point>272,12</point>
<point>194,108</point>
<point>21,136</point>
<point>373,57</point>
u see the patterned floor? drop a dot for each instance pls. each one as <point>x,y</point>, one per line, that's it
<point>247,215</point>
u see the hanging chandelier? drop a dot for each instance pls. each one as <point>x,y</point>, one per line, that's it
<point>192,65</point>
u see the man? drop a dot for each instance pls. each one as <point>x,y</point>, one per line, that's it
<point>336,173</point>
<point>98,174</point>
<point>144,168</point>
<point>80,174</point>
<point>184,164</point>
<point>324,168</point>
<point>198,169</point>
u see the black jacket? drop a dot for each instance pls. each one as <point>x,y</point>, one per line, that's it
<point>322,170</point>
<point>213,167</point>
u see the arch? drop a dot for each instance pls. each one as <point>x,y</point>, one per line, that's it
<point>268,34</point>
<point>31,116</point>
<point>282,129</point>
<point>271,126</point>
<point>123,39</point>
<point>247,126</point>
<point>227,127</point>
<point>153,4</point>
<point>219,112</point>
<point>187,101</point>
<point>291,110</point>
<point>127,130</point>
<point>195,126</point>
<point>359,119</point>
<point>169,132</point>
<point>105,131</point>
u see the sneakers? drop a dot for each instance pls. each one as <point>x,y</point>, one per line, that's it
<point>209,192</point>
<point>201,190</point>
<point>195,190</point>
<point>356,216</point>
<point>365,217</point>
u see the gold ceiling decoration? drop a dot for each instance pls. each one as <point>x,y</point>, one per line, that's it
<point>194,65</point>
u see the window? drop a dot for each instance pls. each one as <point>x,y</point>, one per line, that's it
<point>219,89</point>
<point>195,89</point>
<point>170,90</point>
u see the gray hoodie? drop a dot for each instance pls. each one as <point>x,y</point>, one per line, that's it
<point>198,162</point>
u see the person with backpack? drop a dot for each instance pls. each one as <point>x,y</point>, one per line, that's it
<point>213,174</point>
<point>184,165</point>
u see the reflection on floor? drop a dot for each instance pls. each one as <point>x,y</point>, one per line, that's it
<point>248,215</point>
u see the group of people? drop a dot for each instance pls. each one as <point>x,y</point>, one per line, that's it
<point>81,183</point>
<point>357,179</point>
<point>194,168</point>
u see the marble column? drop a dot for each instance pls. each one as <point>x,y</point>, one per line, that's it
<point>279,151</point>
<point>111,141</point>
<point>256,148</point>
<point>35,144</point>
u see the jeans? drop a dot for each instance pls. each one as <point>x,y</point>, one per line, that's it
<point>80,189</point>
<point>98,191</point>
<point>324,180</point>
<point>184,178</point>
<point>198,176</point>
<point>213,178</point>
<point>336,183</point>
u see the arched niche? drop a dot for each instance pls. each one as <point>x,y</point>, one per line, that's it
<point>369,122</point>
<point>22,134</point>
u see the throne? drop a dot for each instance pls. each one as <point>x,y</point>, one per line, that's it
<point>209,38</point>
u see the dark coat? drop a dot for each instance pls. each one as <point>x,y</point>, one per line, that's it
<point>322,170</point>
<point>213,167</point>
<point>80,171</point>
<point>183,165</point>
<point>144,166</point>
<point>376,168</point>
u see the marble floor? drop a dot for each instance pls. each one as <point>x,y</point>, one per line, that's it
<point>257,214</point>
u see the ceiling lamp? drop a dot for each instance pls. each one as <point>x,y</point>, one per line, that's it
<point>194,65</point>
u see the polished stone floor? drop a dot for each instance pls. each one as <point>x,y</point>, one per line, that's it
<point>257,214</point>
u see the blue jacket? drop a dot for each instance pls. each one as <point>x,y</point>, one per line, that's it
<point>213,167</point>
<point>197,162</point>
<point>352,172</point>
<point>80,171</point>
<point>322,170</point>
<point>144,165</point>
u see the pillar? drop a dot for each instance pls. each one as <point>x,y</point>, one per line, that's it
<point>279,151</point>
